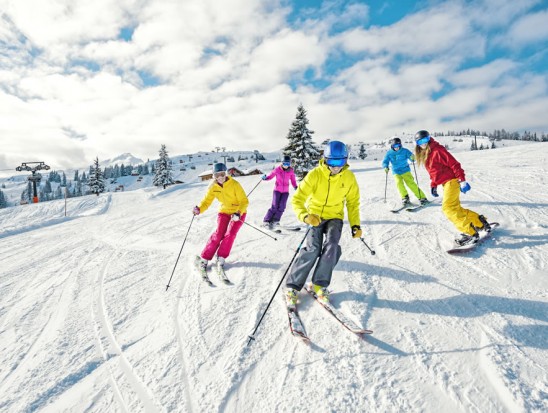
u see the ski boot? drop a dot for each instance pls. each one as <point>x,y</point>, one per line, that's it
<point>467,239</point>
<point>405,201</point>
<point>321,292</point>
<point>291,297</point>
<point>423,201</point>
<point>486,227</point>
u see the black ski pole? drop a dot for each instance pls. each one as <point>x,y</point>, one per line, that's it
<point>254,187</point>
<point>417,180</point>
<point>372,251</point>
<point>274,238</point>
<point>173,272</point>
<point>385,186</point>
<point>252,336</point>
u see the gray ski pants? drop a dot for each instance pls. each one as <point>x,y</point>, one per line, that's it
<point>321,244</point>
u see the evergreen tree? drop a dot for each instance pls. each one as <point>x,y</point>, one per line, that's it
<point>300,146</point>
<point>163,177</point>
<point>3,200</point>
<point>64,180</point>
<point>362,155</point>
<point>96,181</point>
<point>47,190</point>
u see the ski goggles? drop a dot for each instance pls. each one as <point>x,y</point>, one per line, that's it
<point>219,174</point>
<point>335,162</point>
<point>396,146</point>
<point>286,164</point>
<point>424,140</point>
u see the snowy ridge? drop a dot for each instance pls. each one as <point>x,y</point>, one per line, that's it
<point>86,323</point>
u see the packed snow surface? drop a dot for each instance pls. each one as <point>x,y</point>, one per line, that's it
<point>86,323</point>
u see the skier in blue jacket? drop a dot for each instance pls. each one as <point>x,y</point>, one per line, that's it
<point>399,157</point>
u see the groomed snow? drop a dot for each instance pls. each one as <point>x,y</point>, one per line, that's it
<point>86,324</point>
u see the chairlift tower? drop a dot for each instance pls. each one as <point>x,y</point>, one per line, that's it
<point>35,176</point>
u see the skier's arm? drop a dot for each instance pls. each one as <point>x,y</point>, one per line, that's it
<point>386,160</point>
<point>353,203</point>
<point>208,199</point>
<point>242,198</point>
<point>292,179</point>
<point>304,190</point>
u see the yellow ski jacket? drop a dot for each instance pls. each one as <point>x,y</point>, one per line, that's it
<point>324,194</point>
<point>231,196</point>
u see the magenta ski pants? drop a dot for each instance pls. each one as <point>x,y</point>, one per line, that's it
<point>222,239</point>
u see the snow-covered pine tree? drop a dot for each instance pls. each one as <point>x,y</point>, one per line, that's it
<point>162,176</point>
<point>3,200</point>
<point>362,155</point>
<point>300,147</point>
<point>96,181</point>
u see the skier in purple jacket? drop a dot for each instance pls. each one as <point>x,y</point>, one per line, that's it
<point>284,174</point>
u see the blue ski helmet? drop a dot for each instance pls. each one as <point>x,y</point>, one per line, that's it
<point>422,137</point>
<point>335,154</point>
<point>219,167</point>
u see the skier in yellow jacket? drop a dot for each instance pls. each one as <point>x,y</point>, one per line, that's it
<point>232,213</point>
<point>319,201</point>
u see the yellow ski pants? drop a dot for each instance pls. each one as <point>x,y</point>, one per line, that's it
<point>407,178</point>
<point>461,218</point>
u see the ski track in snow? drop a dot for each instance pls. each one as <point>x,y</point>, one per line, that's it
<point>88,326</point>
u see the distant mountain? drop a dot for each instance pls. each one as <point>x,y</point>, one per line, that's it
<point>125,158</point>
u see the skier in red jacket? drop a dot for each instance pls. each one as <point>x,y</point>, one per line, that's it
<point>445,170</point>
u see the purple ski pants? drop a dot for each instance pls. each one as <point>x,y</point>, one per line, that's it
<point>279,201</point>
<point>222,239</point>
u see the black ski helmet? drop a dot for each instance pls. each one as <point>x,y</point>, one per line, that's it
<point>219,167</point>
<point>421,134</point>
<point>286,159</point>
<point>395,141</point>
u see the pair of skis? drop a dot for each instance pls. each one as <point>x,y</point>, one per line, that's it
<point>410,207</point>
<point>277,230</point>
<point>205,277</point>
<point>297,328</point>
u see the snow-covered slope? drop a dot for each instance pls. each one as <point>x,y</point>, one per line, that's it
<point>86,323</point>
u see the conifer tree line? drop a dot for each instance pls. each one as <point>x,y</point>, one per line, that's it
<point>498,134</point>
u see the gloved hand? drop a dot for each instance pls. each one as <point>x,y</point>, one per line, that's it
<point>386,169</point>
<point>295,188</point>
<point>312,219</point>
<point>464,187</point>
<point>263,177</point>
<point>235,216</point>
<point>196,210</point>
<point>434,191</point>
<point>412,158</point>
<point>356,231</point>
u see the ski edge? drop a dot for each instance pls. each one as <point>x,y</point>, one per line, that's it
<point>339,315</point>
<point>298,333</point>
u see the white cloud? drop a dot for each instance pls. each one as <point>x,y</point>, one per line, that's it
<point>231,74</point>
<point>529,29</point>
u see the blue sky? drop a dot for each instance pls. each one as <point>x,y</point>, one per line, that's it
<point>127,76</point>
